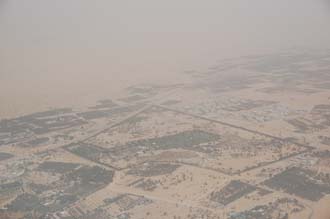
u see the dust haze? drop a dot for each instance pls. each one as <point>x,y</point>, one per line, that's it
<point>164,109</point>
<point>47,46</point>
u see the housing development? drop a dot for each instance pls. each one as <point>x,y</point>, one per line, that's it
<point>246,138</point>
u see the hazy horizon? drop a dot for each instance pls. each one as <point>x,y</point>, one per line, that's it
<point>52,51</point>
<point>164,109</point>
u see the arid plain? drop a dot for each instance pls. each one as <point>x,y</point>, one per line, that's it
<point>246,138</point>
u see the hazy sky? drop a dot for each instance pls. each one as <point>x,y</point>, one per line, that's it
<point>69,48</point>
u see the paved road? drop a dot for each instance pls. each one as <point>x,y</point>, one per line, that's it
<point>235,126</point>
